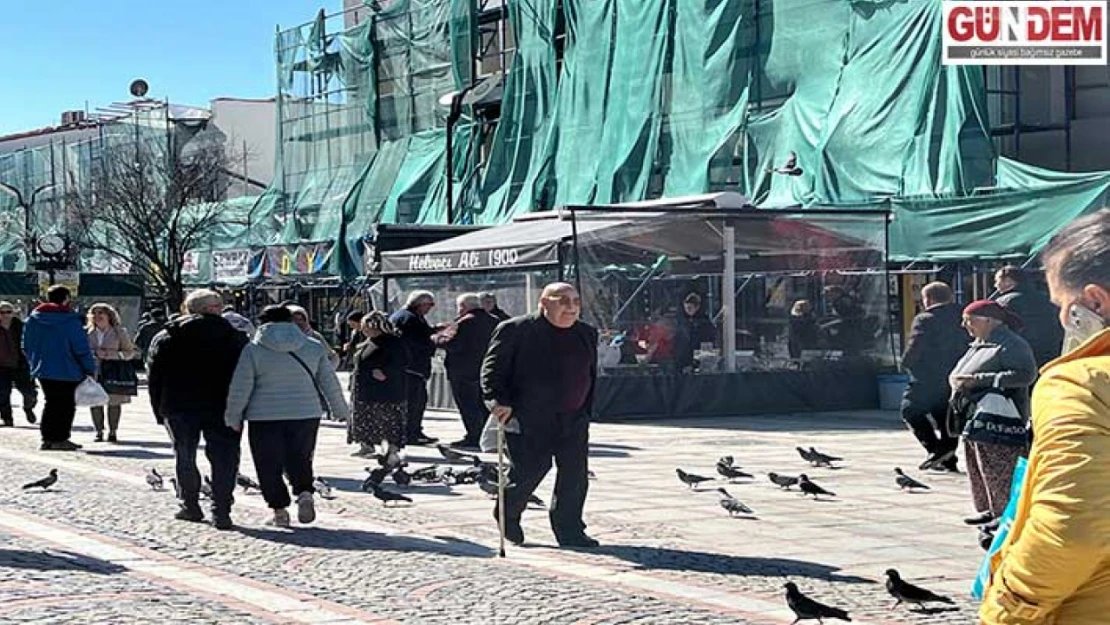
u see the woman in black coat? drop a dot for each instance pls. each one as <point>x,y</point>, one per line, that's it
<point>378,393</point>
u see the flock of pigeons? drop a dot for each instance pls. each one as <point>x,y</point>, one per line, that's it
<point>805,608</point>
<point>489,479</point>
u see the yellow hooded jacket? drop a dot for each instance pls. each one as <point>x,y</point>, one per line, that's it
<point>1054,568</point>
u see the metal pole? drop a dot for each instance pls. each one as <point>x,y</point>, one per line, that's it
<point>501,486</point>
<point>728,304</point>
<point>449,161</point>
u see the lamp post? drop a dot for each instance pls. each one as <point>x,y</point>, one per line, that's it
<point>454,103</point>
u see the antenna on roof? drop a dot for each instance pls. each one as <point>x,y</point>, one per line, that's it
<point>139,87</point>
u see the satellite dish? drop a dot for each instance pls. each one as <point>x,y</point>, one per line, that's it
<point>139,88</point>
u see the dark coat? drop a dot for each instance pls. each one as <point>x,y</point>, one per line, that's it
<point>690,333</point>
<point>499,314</point>
<point>190,368</point>
<point>417,336</point>
<point>519,368</point>
<point>802,333</point>
<point>1040,320</point>
<point>56,345</point>
<point>385,352</point>
<point>467,349</point>
<point>21,376</point>
<point>934,346</point>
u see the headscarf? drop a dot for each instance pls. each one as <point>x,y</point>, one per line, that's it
<point>377,320</point>
<point>993,310</point>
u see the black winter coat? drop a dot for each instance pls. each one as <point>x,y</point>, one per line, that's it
<point>519,368</point>
<point>417,336</point>
<point>1040,320</point>
<point>190,368</point>
<point>936,343</point>
<point>467,349</point>
<point>387,353</point>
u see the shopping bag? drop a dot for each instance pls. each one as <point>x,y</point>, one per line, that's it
<point>996,421</point>
<point>90,393</point>
<point>487,442</point>
<point>118,377</point>
<point>1006,523</point>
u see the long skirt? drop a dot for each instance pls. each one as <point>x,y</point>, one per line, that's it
<point>374,422</point>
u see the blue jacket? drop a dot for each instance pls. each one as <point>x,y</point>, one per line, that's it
<point>56,345</point>
<point>270,385</point>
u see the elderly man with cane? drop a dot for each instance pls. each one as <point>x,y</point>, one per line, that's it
<point>538,380</point>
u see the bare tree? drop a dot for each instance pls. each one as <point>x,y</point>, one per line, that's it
<point>149,204</point>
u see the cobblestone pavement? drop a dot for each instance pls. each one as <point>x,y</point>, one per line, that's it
<point>102,547</point>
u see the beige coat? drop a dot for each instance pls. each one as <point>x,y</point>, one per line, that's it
<point>116,345</point>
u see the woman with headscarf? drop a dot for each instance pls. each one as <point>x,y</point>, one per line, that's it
<point>108,340</point>
<point>998,362</point>
<point>378,393</point>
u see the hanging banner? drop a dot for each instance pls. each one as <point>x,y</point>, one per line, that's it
<point>231,265</point>
<point>313,258</point>
<point>305,259</point>
<point>191,264</point>
<point>279,261</point>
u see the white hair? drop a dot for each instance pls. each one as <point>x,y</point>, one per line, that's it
<point>417,298</point>
<point>196,301</point>
<point>469,301</point>
<point>297,310</point>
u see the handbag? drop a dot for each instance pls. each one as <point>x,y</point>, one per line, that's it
<point>118,377</point>
<point>996,421</point>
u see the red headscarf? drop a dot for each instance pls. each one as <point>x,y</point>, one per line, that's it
<point>993,310</point>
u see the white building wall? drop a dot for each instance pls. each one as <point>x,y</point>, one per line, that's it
<point>249,123</point>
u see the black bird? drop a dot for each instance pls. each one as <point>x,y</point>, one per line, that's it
<point>806,609</point>
<point>822,460</point>
<point>788,168</point>
<point>206,488</point>
<point>154,480</point>
<point>730,472</point>
<point>728,461</point>
<point>906,592</point>
<point>906,482</point>
<point>783,481</point>
<point>456,456</point>
<point>246,483</point>
<point>386,496</point>
<point>490,487</point>
<point>376,477</point>
<point>733,505</point>
<point>590,475</point>
<point>45,483</point>
<point>808,457</point>
<point>809,488</point>
<point>401,477</point>
<point>691,479</point>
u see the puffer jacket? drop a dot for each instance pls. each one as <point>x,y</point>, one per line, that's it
<point>1054,567</point>
<point>270,385</point>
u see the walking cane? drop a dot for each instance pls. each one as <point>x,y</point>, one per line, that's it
<point>501,485</point>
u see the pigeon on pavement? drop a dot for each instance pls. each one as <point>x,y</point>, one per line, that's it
<point>806,609</point>
<point>322,488</point>
<point>376,477</point>
<point>906,482</point>
<point>154,480</point>
<point>808,457</point>
<point>426,474</point>
<point>691,479</point>
<point>386,496</point>
<point>45,483</point>
<point>809,488</point>
<point>401,477</point>
<point>906,592</point>
<point>822,460</point>
<point>782,481</point>
<point>731,473</point>
<point>456,456</point>
<point>733,505</point>
<point>246,483</point>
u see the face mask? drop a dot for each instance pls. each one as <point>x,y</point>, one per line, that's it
<point>1082,324</point>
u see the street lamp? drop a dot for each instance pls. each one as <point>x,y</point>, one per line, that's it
<point>454,103</point>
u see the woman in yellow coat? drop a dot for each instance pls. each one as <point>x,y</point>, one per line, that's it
<point>1054,568</point>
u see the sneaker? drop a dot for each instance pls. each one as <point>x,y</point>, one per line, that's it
<point>192,514</point>
<point>980,519</point>
<point>578,541</point>
<point>948,466</point>
<point>222,521</point>
<point>30,414</point>
<point>46,446</point>
<point>281,518</point>
<point>65,446</point>
<point>937,459</point>
<point>306,508</point>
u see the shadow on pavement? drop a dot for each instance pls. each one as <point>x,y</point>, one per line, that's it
<point>659,558</point>
<point>55,560</point>
<point>148,444</point>
<point>137,454</point>
<point>866,420</point>
<point>359,540</point>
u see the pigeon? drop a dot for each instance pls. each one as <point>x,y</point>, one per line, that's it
<point>206,488</point>
<point>730,472</point>
<point>376,477</point>
<point>733,505</point>
<point>906,482</point>
<point>401,477</point>
<point>154,480</point>
<point>806,609</point>
<point>782,481</point>
<point>691,479</point>
<point>176,488</point>
<point>246,483</point>
<point>45,483</point>
<point>807,456</point>
<point>322,488</point>
<point>590,475</point>
<point>536,501</point>
<point>809,488</point>
<point>426,474</point>
<point>727,461</point>
<point>822,460</point>
<point>906,592</point>
<point>386,496</point>
<point>451,454</point>
<point>789,167</point>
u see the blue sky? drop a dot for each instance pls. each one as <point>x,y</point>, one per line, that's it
<point>59,53</point>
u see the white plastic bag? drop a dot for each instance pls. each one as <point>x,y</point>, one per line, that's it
<point>90,393</point>
<point>488,441</point>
